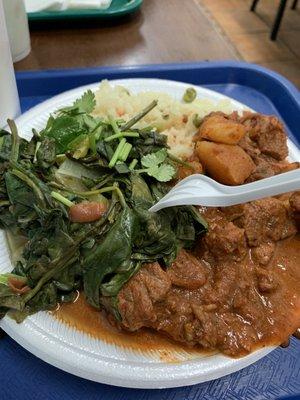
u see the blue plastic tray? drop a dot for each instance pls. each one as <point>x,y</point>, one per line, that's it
<point>258,87</point>
<point>277,376</point>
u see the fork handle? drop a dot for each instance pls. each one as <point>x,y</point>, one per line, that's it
<point>190,191</point>
<point>278,184</point>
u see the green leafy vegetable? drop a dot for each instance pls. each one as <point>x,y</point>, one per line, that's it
<point>155,166</point>
<point>5,146</point>
<point>46,153</point>
<point>82,148</point>
<point>123,274</point>
<point>80,158</point>
<point>64,130</point>
<point>85,104</point>
<point>15,141</point>
<point>141,196</point>
<point>163,173</point>
<point>154,159</point>
<point>107,256</point>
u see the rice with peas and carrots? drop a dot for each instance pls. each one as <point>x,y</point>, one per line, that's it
<point>171,117</point>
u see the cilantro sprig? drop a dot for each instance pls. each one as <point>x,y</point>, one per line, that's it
<point>155,165</point>
<point>84,105</point>
<point>75,129</point>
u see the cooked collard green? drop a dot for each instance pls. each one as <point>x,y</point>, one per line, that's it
<point>80,159</point>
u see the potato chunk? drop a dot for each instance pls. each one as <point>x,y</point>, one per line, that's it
<point>218,128</point>
<point>228,164</point>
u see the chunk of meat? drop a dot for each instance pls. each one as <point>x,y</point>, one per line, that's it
<point>235,309</point>
<point>173,315</point>
<point>233,212</point>
<point>266,143</point>
<point>182,316</point>
<point>263,253</point>
<point>266,281</point>
<point>250,147</point>
<point>137,297</point>
<point>216,331</point>
<point>187,271</point>
<point>295,206</point>
<point>221,129</point>
<point>267,220</point>
<point>286,166</point>
<point>87,211</point>
<point>268,132</point>
<point>267,166</point>
<point>151,284</point>
<point>226,163</point>
<point>196,168</point>
<point>225,240</point>
<point>295,202</point>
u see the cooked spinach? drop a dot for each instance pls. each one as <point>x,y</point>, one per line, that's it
<point>108,255</point>
<point>81,159</point>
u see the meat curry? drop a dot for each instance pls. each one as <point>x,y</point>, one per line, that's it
<point>239,288</point>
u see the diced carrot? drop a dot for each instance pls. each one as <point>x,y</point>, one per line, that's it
<point>120,112</point>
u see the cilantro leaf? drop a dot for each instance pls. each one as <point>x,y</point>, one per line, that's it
<point>84,105</point>
<point>163,173</point>
<point>154,159</point>
<point>154,166</point>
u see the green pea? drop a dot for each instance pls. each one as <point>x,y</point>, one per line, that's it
<point>196,120</point>
<point>189,95</point>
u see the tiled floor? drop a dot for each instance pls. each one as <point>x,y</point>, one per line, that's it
<point>249,33</point>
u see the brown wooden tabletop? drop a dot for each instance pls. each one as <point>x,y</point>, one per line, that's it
<point>162,31</point>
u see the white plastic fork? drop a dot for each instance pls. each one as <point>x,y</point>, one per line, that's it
<point>200,190</point>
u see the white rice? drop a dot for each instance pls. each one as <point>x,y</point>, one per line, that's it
<point>171,117</point>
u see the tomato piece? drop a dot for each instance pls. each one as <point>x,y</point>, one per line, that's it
<point>87,211</point>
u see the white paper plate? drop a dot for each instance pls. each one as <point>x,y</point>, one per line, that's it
<point>84,356</point>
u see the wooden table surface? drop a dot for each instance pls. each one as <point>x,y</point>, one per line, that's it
<point>162,31</point>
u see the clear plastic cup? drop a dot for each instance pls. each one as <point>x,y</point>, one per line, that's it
<point>17,28</point>
<point>9,99</point>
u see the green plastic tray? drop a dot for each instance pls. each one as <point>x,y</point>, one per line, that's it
<point>117,9</point>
